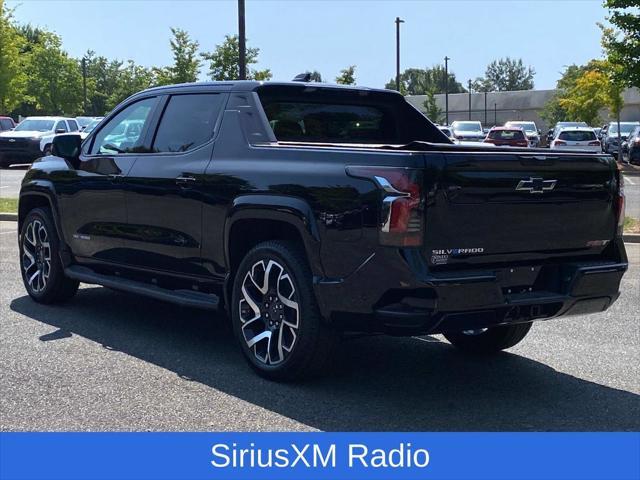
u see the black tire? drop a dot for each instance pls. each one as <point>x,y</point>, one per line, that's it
<point>306,352</point>
<point>47,150</point>
<point>51,285</point>
<point>491,340</point>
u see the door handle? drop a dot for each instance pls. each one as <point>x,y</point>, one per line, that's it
<point>183,180</point>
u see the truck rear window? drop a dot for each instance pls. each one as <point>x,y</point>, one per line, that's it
<point>329,123</point>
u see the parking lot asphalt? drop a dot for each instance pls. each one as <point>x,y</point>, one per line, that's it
<point>112,361</point>
<point>10,179</point>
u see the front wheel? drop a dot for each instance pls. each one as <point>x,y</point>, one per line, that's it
<point>275,316</point>
<point>42,271</point>
<point>489,340</point>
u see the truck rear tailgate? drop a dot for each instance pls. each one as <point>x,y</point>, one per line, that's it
<point>503,202</point>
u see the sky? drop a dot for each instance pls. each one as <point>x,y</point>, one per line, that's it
<point>299,35</point>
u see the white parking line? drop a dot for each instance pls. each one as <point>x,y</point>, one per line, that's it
<point>6,186</point>
<point>627,179</point>
<point>5,233</point>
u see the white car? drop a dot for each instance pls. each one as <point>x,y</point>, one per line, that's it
<point>84,133</point>
<point>577,138</point>
<point>468,131</point>
<point>32,138</point>
<point>56,125</point>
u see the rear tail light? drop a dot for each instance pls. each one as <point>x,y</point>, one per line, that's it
<point>560,142</point>
<point>619,200</point>
<point>402,207</point>
<point>594,144</point>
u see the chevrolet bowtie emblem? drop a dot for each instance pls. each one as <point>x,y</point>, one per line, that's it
<point>536,185</point>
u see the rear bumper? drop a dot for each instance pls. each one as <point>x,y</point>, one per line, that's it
<point>382,300</point>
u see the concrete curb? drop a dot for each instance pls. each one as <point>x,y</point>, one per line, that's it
<point>631,237</point>
<point>8,217</point>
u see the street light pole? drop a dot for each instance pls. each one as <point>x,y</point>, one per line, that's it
<point>398,22</point>
<point>84,85</point>
<point>495,114</point>
<point>446,89</point>
<point>469,99</point>
<point>242,46</point>
<point>485,108</point>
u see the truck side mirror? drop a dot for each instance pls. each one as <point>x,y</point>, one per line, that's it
<point>67,146</point>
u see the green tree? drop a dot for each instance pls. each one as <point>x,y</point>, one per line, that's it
<point>103,76</point>
<point>13,80</point>
<point>186,63</point>
<point>131,79</point>
<point>583,102</point>
<point>225,58</point>
<point>347,76</point>
<point>54,79</point>
<point>621,42</point>
<point>418,81</point>
<point>433,112</point>
<point>506,74</point>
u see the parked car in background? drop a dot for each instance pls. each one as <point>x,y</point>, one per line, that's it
<point>610,144</point>
<point>84,121</point>
<point>530,130</point>
<point>89,128</point>
<point>577,138</point>
<point>507,137</point>
<point>468,131</point>
<point>32,138</point>
<point>553,133</point>
<point>6,124</point>
<point>446,130</point>
<point>633,147</point>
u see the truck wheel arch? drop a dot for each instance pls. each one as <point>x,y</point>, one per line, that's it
<point>253,219</point>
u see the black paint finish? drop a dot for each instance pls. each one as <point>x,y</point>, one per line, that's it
<point>183,220</point>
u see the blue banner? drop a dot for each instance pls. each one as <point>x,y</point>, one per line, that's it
<point>282,456</point>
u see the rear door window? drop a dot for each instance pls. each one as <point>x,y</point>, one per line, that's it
<point>188,122</point>
<point>73,126</point>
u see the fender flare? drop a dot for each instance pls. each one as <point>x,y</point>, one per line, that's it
<point>45,189</point>
<point>291,210</point>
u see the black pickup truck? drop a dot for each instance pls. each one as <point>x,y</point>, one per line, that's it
<point>308,211</point>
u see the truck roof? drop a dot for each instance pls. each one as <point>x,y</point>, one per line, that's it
<point>250,85</point>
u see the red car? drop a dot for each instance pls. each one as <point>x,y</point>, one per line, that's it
<point>507,137</point>
<point>7,123</point>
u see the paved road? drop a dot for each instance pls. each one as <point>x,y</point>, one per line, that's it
<point>632,195</point>
<point>10,179</point>
<point>110,361</point>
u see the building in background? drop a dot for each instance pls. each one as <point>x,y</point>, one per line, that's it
<point>518,105</point>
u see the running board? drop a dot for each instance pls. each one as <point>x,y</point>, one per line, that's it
<point>187,298</point>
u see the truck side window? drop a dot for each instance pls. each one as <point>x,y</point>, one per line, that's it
<point>61,125</point>
<point>73,126</point>
<point>188,122</point>
<point>123,133</point>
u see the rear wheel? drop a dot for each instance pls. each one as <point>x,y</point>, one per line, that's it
<point>40,265</point>
<point>275,316</point>
<point>47,150</point>
<point>489,340</point>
